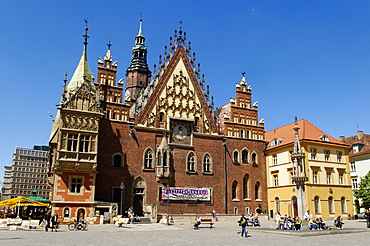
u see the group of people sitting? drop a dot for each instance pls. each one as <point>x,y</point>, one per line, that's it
<point>252,220</point>
<point>289,223</point>
<point>317,224</point>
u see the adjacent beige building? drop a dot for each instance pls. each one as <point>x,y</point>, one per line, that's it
<point>325,168</point>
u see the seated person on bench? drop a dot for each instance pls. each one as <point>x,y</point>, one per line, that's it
<point>198,220</point>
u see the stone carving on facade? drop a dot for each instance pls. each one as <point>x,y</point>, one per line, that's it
<point>179,101</point>
<point>80,121</point>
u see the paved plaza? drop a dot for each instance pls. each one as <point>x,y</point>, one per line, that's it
<point>224,233</point>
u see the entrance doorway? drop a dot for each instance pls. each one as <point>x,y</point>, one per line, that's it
<point>138,205</point>
<point>295,206</point>
<point>81,214</point>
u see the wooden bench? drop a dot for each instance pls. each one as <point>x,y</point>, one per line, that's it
<point>204,222</point>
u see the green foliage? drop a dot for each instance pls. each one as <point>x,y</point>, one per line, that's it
<point>363,192</point>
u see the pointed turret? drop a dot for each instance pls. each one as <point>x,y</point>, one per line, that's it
<point>82,73</point>
<point>138,73</point>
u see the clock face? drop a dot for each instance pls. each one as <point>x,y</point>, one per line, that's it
<point>180,132</point>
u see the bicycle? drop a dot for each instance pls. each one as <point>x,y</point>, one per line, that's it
<point>77,226</point>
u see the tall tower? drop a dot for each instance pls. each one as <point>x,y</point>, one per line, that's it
<point>110,92</point>
<point>74,144</point>
<point>299,172</point>
<point>138,73</point>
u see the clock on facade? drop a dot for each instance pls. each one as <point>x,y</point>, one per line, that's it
<point>180,132</point>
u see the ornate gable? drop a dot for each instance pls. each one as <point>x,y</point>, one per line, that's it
<point>84,100</point>
<point>178,95</point>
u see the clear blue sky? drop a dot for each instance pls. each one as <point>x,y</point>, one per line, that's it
<point>304,58</point>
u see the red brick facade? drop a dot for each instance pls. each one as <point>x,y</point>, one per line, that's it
<point>169,134</point>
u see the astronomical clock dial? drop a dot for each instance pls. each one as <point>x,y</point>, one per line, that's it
<point>181,131</point>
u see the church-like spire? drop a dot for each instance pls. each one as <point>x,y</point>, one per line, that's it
<point>140,33</point>
<point>138,73</point>
<point>82,73</point>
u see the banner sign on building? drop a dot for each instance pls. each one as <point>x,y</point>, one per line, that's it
<point>178,193</point>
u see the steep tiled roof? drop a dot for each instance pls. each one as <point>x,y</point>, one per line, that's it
<point>364,143</point>
<point>307,132</point>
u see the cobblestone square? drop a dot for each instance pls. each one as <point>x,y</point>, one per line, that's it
<point>224,233</point>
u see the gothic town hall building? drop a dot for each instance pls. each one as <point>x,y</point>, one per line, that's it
<point>154,143</point>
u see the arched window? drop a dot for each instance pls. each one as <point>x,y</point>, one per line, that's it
<point>236,157</point>
<point>254,159</point>
<point>191,162</point>
<point>66,212</point>
<point>245,156</point>
<point>207,168</point>
<point>234,190</point>
<point>343,205</point>
<point>331,204</point>
<point>246,187</point>
<point>317,204</point>
<point>165,159</point>
<point>117,160</point>
<point>257,191</point>
<point>159,160</point>
<point>277,204</point>
<point>148,159</point>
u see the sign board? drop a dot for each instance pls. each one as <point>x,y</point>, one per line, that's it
<point>182,193</point>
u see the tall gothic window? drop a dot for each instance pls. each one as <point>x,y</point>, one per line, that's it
<point>245,156</point>
<point>148,159</point>
<point>191,162</point>
<point>159,161</point>
<point>207,163</point>
<point>257,191</point>
<point>236,157</point>
<point>245,187</point>
<point>254,158</point>
<point>234,190</point>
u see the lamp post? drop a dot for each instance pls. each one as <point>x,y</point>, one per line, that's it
<point>122,187</point>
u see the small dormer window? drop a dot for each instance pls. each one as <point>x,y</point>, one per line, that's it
<point>276,141</point>
<point>324,138</point>
<point>355,148</point>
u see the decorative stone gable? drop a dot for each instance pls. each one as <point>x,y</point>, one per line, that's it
<point>178,98</point>
<point>84,99</point>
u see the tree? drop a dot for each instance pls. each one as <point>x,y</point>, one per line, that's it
<point>363,192</point>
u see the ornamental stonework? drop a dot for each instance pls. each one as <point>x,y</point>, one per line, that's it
<point>80,121</point>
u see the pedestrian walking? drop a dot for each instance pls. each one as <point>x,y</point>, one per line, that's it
<point>243,223</point>
<point>214,215</point>
<point>277,220</point>
<point>47,218</point>
<point>367,216</point>
<point>54,222</point>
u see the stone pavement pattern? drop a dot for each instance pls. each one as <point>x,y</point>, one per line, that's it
<point>224,233</point>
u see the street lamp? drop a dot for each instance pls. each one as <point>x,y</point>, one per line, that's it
<point>122,187</point>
